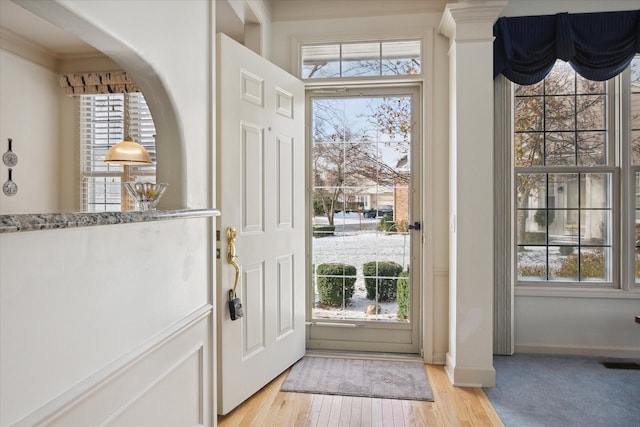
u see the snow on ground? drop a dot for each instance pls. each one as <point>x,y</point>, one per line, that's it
<point>356,242</point>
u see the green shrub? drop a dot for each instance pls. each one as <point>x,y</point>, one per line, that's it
<point>541,215</point>
<point>403,295</point>
<point>565,250</point>
<point>535,237</point>
<point>384,279</point>
<point>336,283</point>
<point>538,271</point>
<point>323,230</point>
<point>386,223</point>
<point>591,266</point>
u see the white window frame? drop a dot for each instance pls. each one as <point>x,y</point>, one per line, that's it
<point>623,283</point>
<point>343,47</point>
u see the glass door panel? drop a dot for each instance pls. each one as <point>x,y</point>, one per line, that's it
<point>362,204</point>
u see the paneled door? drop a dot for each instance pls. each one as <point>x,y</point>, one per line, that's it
<point>261,161</point>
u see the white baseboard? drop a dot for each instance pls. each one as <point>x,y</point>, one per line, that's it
<point>622,352</point>
<point>439,358</point>
<point>461,376</point>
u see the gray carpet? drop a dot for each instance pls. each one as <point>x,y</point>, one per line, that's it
<point>359,377</point>
<point>548,390</point>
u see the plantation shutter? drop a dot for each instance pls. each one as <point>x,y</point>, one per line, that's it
<point>105,120</point>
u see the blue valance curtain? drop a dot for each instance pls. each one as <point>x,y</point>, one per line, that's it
<point>597,45</point>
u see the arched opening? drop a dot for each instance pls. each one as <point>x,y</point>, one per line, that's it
<point>170,146</point>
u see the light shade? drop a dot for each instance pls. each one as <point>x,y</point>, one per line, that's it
<point>128,153</point>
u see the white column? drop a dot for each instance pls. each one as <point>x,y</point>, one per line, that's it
<point>469,27</point>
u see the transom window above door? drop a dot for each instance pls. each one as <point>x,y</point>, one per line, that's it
<point>361,59</point>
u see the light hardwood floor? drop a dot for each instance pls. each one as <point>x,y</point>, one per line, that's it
<point>452,406</point>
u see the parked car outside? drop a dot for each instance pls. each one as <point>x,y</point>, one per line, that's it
<point>382,210</point>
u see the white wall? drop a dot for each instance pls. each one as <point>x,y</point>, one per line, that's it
<point>435,112</point>
<point>29,95</point>
<point>113,324</point>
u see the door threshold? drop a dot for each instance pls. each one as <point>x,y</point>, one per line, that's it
<point>406,357</point>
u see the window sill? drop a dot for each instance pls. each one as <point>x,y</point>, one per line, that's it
<point>38,222</point>
<point>534,291</point>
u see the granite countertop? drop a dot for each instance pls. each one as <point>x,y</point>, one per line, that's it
<point>51,221</point>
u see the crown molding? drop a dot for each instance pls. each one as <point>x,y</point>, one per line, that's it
<point>467,21</point>
<point>13,43</point>
<point>301,10</point>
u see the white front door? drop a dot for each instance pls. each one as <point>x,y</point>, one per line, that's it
<point>261,165</point>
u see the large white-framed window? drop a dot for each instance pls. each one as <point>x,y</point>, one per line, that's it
<point>575,163</point>
<point>105,119</point>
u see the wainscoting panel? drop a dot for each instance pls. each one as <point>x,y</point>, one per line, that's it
<point>166,384</point>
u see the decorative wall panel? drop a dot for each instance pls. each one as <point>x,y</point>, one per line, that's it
<point>284,103</point>
<point>285,294</point>
<point>284,147</point>
<point>252,88</point>
<point>253,299</point>
<point>253,173</point>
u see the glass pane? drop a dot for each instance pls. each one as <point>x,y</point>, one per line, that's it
<point>597,192</point>
<point>328,164</point>
<point>590,112</point>
<point>635,107</point>
<point>592,148</point>
<point>528,114</point>
<point>103,194</point>
<point>401,58</point>
<point>560,80</point>
<point>560,149</point>
<point>594,264</point>
<point>361,163</point>
<point>565,263</point>
<point>532,226</point>
<point>589,86</point>
<point>637,225</point>
<point>389,118</point>
<point>334,289</point>
<point>328,122</point>
<point>528,150</point>
<point>320,61</point>
<point>531,190</point>
<point>635,147</point>
<point>595,227</point>
<point>532,263</point>
<point>566,185</point>
<point>360,59</point>
<point>403,293</point>
<point>560,113</point>
<point>534,89</point>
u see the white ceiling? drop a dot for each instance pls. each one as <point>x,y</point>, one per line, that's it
<point>62,44</point>
<point>36,30</point>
